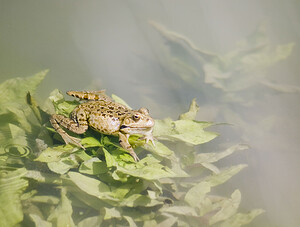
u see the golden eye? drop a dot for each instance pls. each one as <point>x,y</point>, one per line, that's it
<point>136,117</point>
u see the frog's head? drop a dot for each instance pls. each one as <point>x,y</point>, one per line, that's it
<point>139,122</point>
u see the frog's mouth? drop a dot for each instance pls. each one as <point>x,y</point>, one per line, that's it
<point>135,130</point>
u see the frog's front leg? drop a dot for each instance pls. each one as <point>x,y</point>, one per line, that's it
<point>59,120</point>
<point>123,139</point>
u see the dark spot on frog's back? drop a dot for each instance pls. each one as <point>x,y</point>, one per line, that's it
<point>123,126</point>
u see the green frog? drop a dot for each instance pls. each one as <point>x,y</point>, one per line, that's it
<point>104,115</point>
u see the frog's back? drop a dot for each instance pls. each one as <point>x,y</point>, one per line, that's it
<point>105,117</point>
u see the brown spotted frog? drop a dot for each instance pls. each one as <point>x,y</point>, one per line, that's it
<point>104,115</point>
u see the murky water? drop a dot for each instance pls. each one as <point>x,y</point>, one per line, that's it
<point>142,51</point>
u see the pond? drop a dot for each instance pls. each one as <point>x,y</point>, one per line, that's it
<point>220,80</point>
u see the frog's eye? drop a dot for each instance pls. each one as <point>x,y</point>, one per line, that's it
<point>136,117</point>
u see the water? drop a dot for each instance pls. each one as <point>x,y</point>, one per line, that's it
<point>112,45</point>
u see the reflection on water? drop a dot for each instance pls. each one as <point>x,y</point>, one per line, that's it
<point>240,60</point>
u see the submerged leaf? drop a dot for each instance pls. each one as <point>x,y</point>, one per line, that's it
<point>38,221</point>
<point>93,166</point>
<point>214,157</point>
<point>62,215</point>
<point>224,175</point>
<point>15,90</point>
<point>11,187</point>
<point>241,219</point>
<point>229,208</point>
<point>197,193</point>
<point>94,221</point>
<point>92,186</point>
<point>119,100</point>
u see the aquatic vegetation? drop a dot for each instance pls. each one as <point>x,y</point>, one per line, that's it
<point>47,183</point>
<point>232,75</point>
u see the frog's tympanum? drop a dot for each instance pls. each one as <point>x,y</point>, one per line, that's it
<point>104,115</point>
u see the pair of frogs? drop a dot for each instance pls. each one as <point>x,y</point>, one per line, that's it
<point>105,116</point>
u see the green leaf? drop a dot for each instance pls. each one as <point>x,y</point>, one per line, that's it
<point>130,221</point>
<point>63,165</point>
<point>148,168</point>
<point>180,210</point>
<point>206,159</point>
<point>189,131</point>
<point>90,142</point>
<point>53,154</point>
<point>15,90</point>
<point>224,175</point>
<point>62,215</point>
<point>41,177</point>
<point>11,187</point>
<point>93,166</point>
<point>191,114</point>
<point>112,213</point>
<point>241,219</point>
<point>110,161</point>
<point>236,71</point>
<point>45,199</point>
<point>38,221</point>
<point>229,208</point>
<point>119,100</point>
<point>94,221</point>
<point>197,193</point>
<point>137,200</point>
<point>159,149</point>
<point>40,115</point>
<point>61,106</point>
<point>92,186</point>
<point>214,157</point>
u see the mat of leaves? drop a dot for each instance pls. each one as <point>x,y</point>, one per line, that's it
<point>44,182</point>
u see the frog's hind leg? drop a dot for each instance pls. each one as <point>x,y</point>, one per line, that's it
<point>90,95</point>
<point>57,120</point>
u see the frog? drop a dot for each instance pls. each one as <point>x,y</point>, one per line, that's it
<point>106,116</point>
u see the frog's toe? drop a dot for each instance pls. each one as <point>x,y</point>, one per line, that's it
<point>148,138</point>
<point>134,155</point>
<point>72,140</point>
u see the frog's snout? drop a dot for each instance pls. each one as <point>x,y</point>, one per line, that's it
<point>150,123</point>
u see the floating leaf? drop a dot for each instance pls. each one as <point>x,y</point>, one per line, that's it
<point>119,100</point>
<point>191,114</point>
<point>189,131</point>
